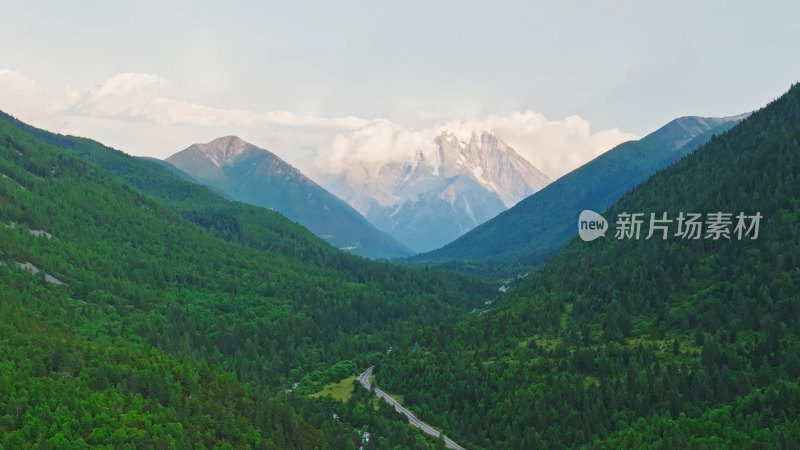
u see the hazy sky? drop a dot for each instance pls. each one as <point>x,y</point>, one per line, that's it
<point>321,83</point>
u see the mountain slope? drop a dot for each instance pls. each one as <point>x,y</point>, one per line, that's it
<point>442,191</point>
<point>254,175</point>
<point>530,232</point>
<point>249,225</point>
<point>637,343</point>
<point>164,334</point>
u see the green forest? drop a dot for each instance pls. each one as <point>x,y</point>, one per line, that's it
<point>182,318</point>
<point>141,310</point>
<point>624,343</point>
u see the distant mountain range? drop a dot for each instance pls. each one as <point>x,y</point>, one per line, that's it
<point>440,192</point>
<point>250,174</point>
<point>533,230</point>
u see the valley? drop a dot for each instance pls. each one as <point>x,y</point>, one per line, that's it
<point>520,225</point>
<point>175,319</point>
<point>186,308</point>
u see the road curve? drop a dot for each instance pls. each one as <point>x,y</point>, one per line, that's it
<point>412,419</point>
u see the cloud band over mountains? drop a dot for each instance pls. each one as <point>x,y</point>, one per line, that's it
<point>554,146</point>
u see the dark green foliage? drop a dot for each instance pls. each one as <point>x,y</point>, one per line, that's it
<point>363,413</point>
<point>174,336</point>
<point>641,343</point>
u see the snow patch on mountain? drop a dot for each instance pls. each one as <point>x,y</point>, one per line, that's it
<point>476,177</point>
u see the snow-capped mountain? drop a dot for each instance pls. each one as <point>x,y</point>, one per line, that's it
<point>442,191</point>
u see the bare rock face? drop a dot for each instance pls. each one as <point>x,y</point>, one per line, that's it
<point>224,150</point>
<point>443,190</point>
<point>493,164</point>
<point>208,161</point>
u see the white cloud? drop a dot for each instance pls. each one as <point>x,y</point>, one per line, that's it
<point>124,84</point>
<point>164,111</point>
<point>554,146</point>
<point>379,141</point>
<point>134,96</point>
<point>19,95</point>
<point>13,83</point>
<point>110,99</point>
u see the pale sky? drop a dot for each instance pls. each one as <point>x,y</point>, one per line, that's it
<point>321,83</point>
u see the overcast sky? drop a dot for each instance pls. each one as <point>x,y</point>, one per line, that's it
<point>560,81</point>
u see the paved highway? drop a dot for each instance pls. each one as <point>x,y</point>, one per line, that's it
<point>412,419</point>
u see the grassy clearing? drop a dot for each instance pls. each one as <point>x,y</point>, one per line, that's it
<point>340,390</point>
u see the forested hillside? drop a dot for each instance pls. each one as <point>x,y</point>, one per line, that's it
<point>257,176</point>
<point>249,225</point>
<point>142,328</point>
<point>637,343</point>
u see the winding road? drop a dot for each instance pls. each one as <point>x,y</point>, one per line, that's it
<point>412,419</point>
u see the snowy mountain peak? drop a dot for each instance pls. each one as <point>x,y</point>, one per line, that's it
<point>453,184</point>
<point>491,162</point>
